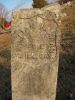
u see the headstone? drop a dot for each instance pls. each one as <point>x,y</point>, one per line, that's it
<point>34,54</point>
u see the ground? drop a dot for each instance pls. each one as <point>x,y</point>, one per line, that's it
<point>66,75</point>
<point>5,67</point>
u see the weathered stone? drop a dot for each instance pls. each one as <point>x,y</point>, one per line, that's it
<point>34,54</point>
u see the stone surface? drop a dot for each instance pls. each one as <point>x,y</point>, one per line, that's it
<point>35,54</point>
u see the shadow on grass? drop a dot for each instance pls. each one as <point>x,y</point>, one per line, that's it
<point>5,53</point>
<point>66,77</point>
<point>5,76</point>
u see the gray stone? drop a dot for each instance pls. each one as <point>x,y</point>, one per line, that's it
<point>35,54</point>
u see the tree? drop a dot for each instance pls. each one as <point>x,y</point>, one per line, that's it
<point>64,1</point>
<point>3,11</point>
<point>39,3</point>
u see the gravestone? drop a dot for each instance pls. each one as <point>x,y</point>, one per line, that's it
<point>35,54</point>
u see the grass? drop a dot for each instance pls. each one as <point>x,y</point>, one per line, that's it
<point>66,76</point>
<point>5,66</point>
